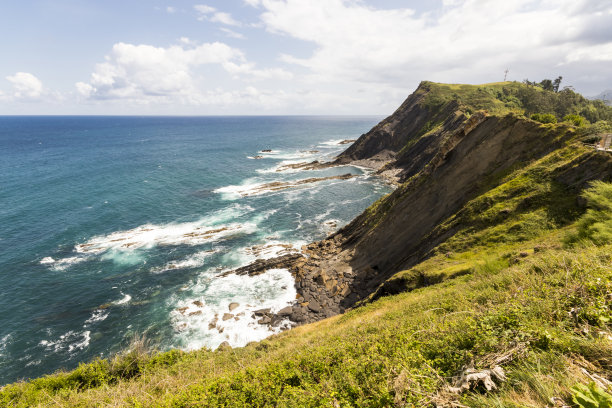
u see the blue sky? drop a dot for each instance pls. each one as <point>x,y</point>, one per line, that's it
<point>179,57</point>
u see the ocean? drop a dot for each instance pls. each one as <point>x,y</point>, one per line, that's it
<point>115,228</point>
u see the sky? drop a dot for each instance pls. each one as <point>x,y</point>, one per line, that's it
<point>276,57</point>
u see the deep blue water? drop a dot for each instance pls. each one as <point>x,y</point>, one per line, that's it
<point>111,226</point>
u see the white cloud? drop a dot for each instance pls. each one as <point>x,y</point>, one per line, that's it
<point>203,10</point>
<point>211,14</point>
<point>26,86</point>
<point>146,74</point>
<point>170,9</point>
<point>252,3</point>
<point>224,18</point>
<point>232,34</point>
<point>145,71</point>
<point>463,41</point>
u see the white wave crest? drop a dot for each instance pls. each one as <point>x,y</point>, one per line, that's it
<point>98,315</point>
<point>125,299</point>
<point>63,263</point>
<point>4,341</point>
<point>149,235</point>
<point>193,261</point>
<point>70,341</point>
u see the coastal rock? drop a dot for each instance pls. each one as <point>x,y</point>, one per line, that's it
<point>264,320</point>
<point>286,311</point>
<point>196,313</point>
<point>314,306</point>
<point>233,305</point>
<point>198,303</point>
<point>262,312</point>
<point>227,316</point>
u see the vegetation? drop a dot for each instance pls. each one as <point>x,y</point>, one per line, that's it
<point>523,98</point>
<point>596,225</point>
<point>591,396</point>
<point>544,117</point>
<point>575,120</point>
<point>524,282</point>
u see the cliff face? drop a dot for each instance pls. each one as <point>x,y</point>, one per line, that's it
<point>445,158</point>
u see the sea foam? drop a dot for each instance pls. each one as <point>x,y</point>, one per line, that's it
<point>205,320</point>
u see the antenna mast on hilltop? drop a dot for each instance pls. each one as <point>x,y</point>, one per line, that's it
<point>505,74</point>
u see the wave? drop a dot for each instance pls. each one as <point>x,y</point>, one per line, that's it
<point>4,342</point>
<point>124,300</point>
<point>222,309</point>
<point>69,341</point>
<point>193,261</point>
<point>119,246</point>
<point>63,263</point>
<point>98,315</point>
<point>255,189</point>
<point>150,235</point>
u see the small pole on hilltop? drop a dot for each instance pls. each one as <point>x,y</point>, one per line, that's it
<point>505,74</point>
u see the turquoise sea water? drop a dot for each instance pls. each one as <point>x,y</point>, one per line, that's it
<point>112,227</point>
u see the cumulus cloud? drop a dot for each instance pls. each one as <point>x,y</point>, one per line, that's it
<point>146,73</point>
<point>26,86</point>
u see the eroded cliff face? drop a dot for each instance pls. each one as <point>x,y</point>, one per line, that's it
<point>440,181</point>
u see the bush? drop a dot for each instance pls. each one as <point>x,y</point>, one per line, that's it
<point>544,117</point>
<point>575,120</point>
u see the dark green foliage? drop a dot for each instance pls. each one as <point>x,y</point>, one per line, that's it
<point>547,85</point>
<point>544,117</point>
<point>557,84</point>
<point>535,99</point>
<point>596,225</point>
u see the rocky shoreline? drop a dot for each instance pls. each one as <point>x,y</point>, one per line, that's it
<point>325,282</point>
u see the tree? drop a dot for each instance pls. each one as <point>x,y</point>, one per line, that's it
<point>556,84</point>
<point>547,84</point>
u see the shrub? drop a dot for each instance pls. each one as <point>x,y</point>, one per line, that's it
<point>576,120</point>
<point>544,117</point>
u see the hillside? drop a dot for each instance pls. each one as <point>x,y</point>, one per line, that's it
<point>491,258</point>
